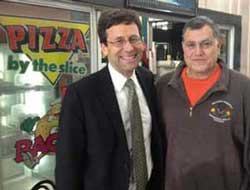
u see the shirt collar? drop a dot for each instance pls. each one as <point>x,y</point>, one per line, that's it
<point>119,80</point>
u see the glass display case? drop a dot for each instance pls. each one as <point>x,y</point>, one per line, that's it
<point>42,50</point>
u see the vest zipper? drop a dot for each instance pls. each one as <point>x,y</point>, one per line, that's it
<point>190,111</point>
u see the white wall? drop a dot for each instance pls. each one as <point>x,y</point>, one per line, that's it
<point>238,7</point>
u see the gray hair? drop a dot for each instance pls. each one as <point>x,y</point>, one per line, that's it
<point>199,22</point>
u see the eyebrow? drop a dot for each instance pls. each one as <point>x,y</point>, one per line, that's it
<point>122,37</point>
<point>191,41</point>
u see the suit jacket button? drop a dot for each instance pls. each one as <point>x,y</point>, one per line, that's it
<point>126,167</point>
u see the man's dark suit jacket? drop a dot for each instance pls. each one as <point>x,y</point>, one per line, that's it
<point>92,151</point>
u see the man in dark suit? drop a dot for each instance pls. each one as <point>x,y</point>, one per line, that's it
<point>95,145</point>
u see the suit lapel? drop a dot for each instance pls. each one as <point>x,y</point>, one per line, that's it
<point>111,107</point>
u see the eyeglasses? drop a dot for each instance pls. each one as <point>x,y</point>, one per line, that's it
<point>120,42</point>
<point>206,44</point>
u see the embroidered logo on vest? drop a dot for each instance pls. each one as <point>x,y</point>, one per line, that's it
<point>221,111</point>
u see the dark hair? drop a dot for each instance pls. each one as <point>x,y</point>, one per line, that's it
<point>113,17</point>
<point>200,21</point>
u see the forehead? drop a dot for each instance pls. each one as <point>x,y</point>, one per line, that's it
<point>198,34</point>
<point>122,30</point>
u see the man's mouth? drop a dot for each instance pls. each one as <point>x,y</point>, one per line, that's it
<point>129,57</point>
<point>199,60</point>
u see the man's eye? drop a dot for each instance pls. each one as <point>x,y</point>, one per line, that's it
<point>134,40</point>
<point>190,45</point>
<point>119,41</point>
<point>206,44</point>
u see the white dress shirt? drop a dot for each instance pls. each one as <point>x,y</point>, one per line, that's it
<point>122,96</point>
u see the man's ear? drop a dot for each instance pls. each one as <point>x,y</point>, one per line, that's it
<point>104,49</point>
<point>221,42</point>
<point>182,45</point>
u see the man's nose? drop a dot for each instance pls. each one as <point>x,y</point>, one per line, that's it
<point>198,50</point>
<point>127,45</point>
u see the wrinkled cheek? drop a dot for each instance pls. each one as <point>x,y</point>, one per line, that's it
<point>141,48</point>
<point>187,58</point>
<point>188,54</point>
